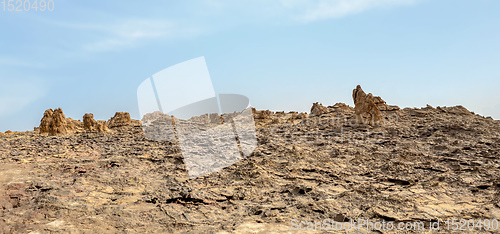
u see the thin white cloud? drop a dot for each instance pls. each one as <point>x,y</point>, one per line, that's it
<point>297,10</point>
<point>313,10</point>
<point>124,33</point>
<point>128,34</point>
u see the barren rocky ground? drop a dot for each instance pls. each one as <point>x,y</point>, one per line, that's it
<point>419,166</point>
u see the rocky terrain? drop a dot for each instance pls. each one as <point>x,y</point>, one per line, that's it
<point>419,165</point>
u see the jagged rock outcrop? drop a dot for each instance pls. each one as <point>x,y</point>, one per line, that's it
<point>46,121</point>
<point>262,115</point>
<point>90,124</point>
<point>55,123</point>
<point>58,123</point>
<point>341,108</point>
<point>365,104</point>
<point>382,105</point>
<point>318,109</point>
<point>267,117</point>
<point>457,110</point>
<point>120,119</point>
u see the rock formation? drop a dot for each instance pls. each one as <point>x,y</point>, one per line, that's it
<point>365,104</point>
<point>55,123</point>
<point>101,126</point>
<point>120,119</point>
<point>90,124</point>
<point>46,121</point>
<point>382,105</point>
<point>262,115</point>
<point>318,109</point>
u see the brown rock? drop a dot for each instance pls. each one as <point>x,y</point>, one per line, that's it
<point>264,114</point>
<point>101,126</point>
<point>46,121</point>
<point>341,108</point>
<point>293,117</point>
<point>456,110</point>
<point>89,122</point>
<point>8,131</point>
<point>74,125</point>
<point>58,124</point>
<point>120,119</point>
<point>301,115</point>
<point>382,105</point>
<point>55,123</point>
<point>365,104</point>
<point>318,109</point>
<point>280,113</point>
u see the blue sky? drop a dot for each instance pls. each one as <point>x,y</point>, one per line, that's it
<point>90,56</point>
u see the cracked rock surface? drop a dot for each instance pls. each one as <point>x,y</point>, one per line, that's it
<point>420,165</point>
